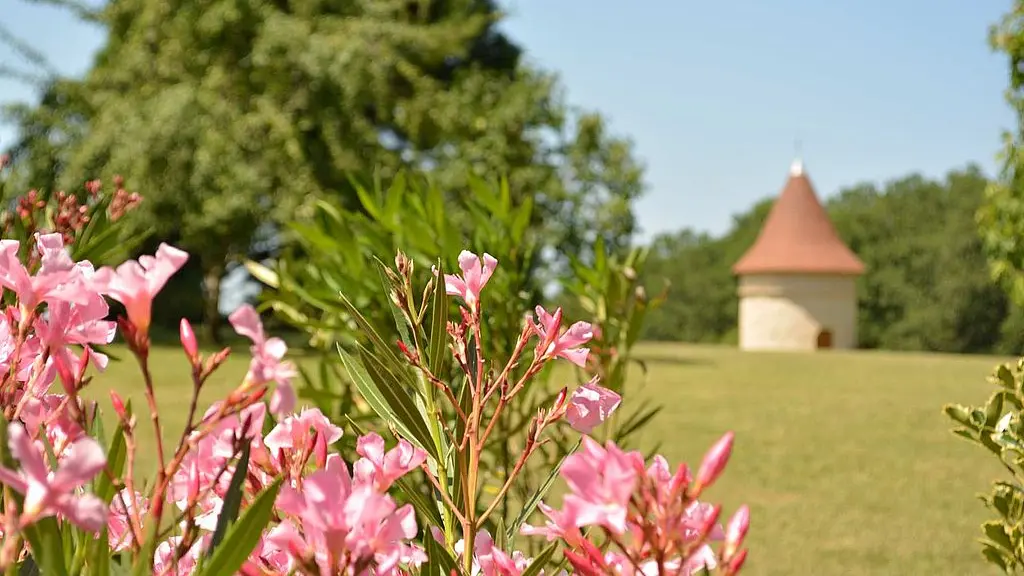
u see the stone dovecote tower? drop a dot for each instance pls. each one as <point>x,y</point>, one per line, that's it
<point>797,282</point>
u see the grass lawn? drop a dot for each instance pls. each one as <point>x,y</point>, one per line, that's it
<point>844,458</point>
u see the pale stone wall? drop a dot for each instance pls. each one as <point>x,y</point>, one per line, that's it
<point>788,311</point>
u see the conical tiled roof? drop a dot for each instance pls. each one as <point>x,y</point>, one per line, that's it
<point>798,237</point>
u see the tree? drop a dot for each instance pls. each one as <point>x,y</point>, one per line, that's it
<point>228,115</point>
<point>1001,217</point>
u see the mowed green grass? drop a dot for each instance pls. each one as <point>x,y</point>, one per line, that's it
<point>844,458</point>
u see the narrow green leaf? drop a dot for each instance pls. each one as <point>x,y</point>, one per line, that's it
<point>47,546</point>
<point>637,421</point>
<point>144,561</point>
<point>97,554</point>
<point>439,560</point>
<point>541,560</point>
<point>388,400</point>
<point>400,322</point>
<point>262,274</point>
<point>465,401</point>
<point>117,455</point>
<point>383,351</point>
<point>243,535</point>
<point>500,534</point>
<point>232,501</point>
<point>437,351</point>
<point>368,201</point>
<point>534,500</point>
<point>402,404</point>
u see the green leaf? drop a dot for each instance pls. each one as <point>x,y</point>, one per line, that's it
<point>437,351</point>
<point>47,546</point>
<point>144,561</point>
<point>243,535</point>
<point>534,500</point>
<point>263,274</point>
<point>996,532</point>
<point>117,455</point>
<point>635,422</point>
<point>994,409</point>
<point>400,322</point>
<point>232,501</point>
<point>384,352</point>
<point>541,560</point>
<point>500,536</point>
<point>439,560</point>
<point>995,556</point>
<point>387,399</point>
<point>960,414</point>
<point>1005,377</point>
<point>97,555</point>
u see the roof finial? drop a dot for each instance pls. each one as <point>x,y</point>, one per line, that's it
<point>797,168</point>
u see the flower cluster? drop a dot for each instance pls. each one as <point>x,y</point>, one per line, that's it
<point>257,462</point>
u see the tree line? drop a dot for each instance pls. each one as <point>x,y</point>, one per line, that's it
<point>927,287</point>
<point>234,118</point>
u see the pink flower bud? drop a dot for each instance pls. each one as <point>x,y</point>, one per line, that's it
<point>735,532</point>
<point>559,408</point>
<point>188,340</point>
<point>115,399</point>
<point>736,563</point>
<point>709,521</point>
<point>714,462</point>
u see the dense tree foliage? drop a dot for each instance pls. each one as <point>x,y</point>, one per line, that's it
<point>927,286</point>
<point>231,115</point>
<point>1002,214</point>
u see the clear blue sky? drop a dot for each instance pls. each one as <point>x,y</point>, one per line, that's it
<point>715,93</point>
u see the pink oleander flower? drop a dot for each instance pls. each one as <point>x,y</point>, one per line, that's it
<point>476,271</point>
<point>50,413</point>
<point>601,481</point>
<point>56,280</point>
<point>736,532</point>
<point>342,521</point>
<point>53,493</point>
<point>164,562</point>
<point>656,522</point>
<point>66,324</point>
<point>267,363</point>
<point>135,284</point>
<point>488,559</point>
<point>308,431</point>
<point>380,468</point>
<point>590,405</point>
<point>269,557</point>
<point>560,525</point>
<point>125,504</point>
<point>565,345</point>
<point>714,462</point>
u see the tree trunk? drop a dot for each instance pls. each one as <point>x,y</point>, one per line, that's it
<point>211,300</point>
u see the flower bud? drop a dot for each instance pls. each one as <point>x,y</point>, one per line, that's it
<point>216,360</point>
<point>560,407</point>
<point>188,341</point>
<point>713,464</point>
<point>735,532</point>
<point>707,524</point>
<point>736,563</point>
<point>115,399</point>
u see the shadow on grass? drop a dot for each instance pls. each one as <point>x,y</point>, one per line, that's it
<point>672,359</point>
